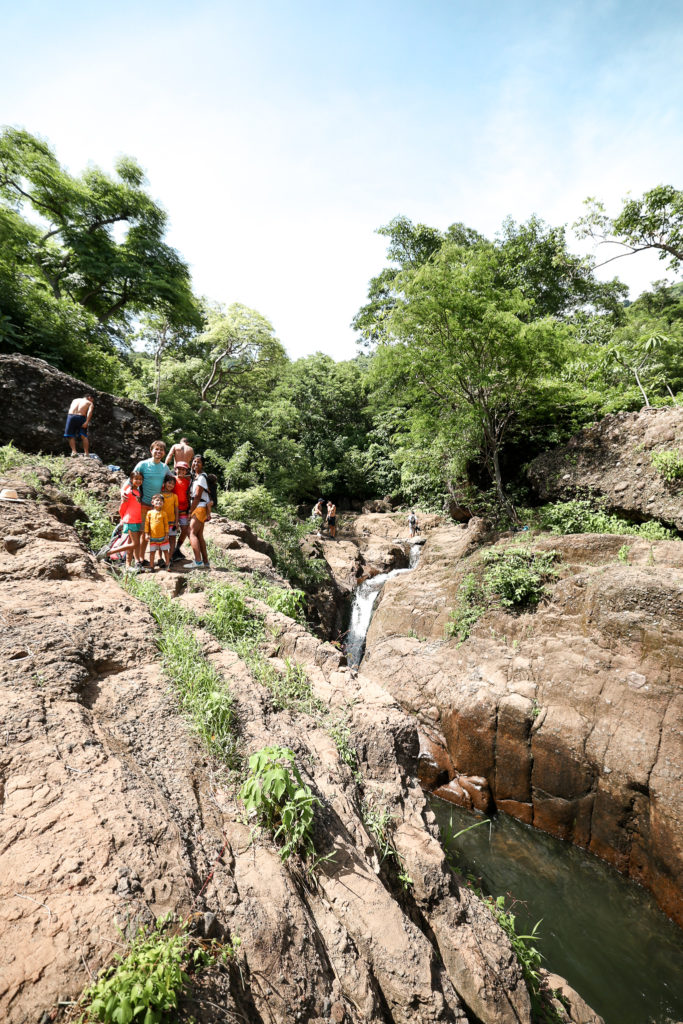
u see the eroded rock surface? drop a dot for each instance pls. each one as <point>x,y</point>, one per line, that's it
<point>612,460</point>
<point>112,812</point>
<point>572,713</point>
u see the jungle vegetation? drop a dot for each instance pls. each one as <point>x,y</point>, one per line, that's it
<point>475,354</point>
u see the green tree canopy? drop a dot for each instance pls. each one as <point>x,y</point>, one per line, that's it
<point>464,342</point>
<point>94,239</point>
<point>654,221</point>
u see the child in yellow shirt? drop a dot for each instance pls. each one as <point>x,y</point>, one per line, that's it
<point>156,529</point>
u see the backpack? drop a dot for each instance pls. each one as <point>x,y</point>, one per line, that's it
<point>212,481</point>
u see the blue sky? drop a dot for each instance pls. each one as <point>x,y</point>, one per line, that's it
<point>280,135</point>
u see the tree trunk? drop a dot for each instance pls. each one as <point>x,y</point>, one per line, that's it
<point>635,374</point>
<point>502,496</point>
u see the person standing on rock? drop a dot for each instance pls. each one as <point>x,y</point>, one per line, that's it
<point>153,472</point>
<point>412,523</point>
<point>319,513</point>
<point>182,491</point>
<point>182,451</point>
<point>77,423</point>
<point>332,518</point>
<point>200,513</point>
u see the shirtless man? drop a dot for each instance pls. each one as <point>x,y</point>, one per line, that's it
<point>77,423</point>
<point>180,452</point>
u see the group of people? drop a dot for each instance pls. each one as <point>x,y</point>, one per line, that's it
<point>325,512</point>
<point>161,507</point>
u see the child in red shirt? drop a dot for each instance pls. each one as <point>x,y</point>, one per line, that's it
<point>182,490</point>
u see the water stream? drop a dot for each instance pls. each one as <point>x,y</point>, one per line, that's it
<point>364,598</point>
<point>604,934</point>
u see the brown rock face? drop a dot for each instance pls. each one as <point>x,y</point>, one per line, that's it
<point>572,712</point>
<point>112,812</point>
<point>39,396</point>
<point>612,460</point>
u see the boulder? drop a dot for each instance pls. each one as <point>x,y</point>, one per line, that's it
<point>39,396</point>
<point>612,460</point>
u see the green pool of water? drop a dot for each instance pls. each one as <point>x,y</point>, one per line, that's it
<point>604,934</point>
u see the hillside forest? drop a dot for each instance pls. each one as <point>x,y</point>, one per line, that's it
<point>475,354</point>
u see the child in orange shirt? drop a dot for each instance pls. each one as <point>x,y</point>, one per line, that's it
<point>156,529</point>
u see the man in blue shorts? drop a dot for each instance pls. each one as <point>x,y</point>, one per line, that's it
<point>77,423</point>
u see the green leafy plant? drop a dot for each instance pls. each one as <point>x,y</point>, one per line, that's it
<point>144,983</point>
<point>623,553</point>
<point>340,732</point>
<point>517,577</point>
<point>96,530</point>
<point>203,693</point>
<point>276,523</point>
<point>469,609</point>
<point>669,464</point>
<point>277,797</point>
<point>581,516</point>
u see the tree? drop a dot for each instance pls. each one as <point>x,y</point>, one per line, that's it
<point>655,221</point>
<point>160,338</point>
<point>463,340</point>
<point>534,258</point>
<point>93,239</point>
<point>236,341</point>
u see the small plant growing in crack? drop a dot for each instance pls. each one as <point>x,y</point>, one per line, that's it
<point>145,983</point>
<point>275,795</point>
<point>380,823</point>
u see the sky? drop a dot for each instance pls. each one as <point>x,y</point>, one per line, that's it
<point>280,134</point>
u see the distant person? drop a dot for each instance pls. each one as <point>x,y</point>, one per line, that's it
<point>156,531</point>
<point>182,451</point>
<point>319,514</point>
<point>412,523</point>
<point>200,513</point>
<point>130,511</point>
<point>153,472</point>
<point>182,491</point>
<point>332,518</point>
<point>77,423</point>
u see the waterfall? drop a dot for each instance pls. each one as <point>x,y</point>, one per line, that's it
<point>364,599</point>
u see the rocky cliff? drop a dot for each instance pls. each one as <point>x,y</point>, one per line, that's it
<point>38,396</point>
<point>113,812</point>
<point>572,713</point>
<point>612,460</point>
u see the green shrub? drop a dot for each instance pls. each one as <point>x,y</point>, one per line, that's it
<point>277,797</point>
<point>145,983</point>
<point>469,609</point>
<point>668,464</point>
<point>380,823</point>
<point>517,576</point>
<point>97,528</point>
<point>581,516</point>
<point>203,693</point>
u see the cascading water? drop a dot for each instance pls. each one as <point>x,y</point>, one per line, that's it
<point>364,601</point>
